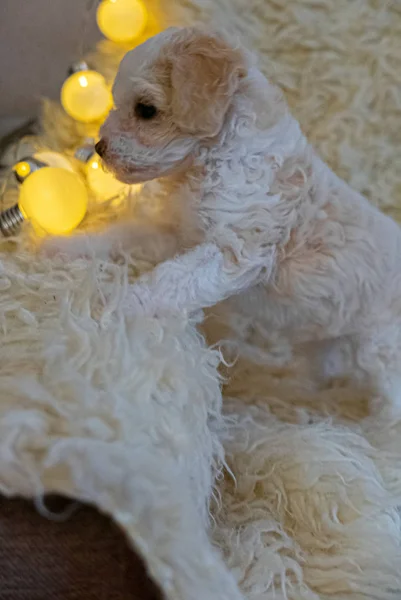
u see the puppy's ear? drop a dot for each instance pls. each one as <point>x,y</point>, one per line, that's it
<point>205,74</point>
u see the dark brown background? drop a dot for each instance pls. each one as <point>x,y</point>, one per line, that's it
<point>85,557</point>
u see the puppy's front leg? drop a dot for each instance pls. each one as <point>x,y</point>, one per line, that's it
<point>195,280</point>
<point>141,239</point>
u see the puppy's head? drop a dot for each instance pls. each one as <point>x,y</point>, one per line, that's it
<point>171,92</point>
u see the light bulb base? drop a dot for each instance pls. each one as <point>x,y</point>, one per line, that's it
<point>10,220</point>
<point>78,66</point>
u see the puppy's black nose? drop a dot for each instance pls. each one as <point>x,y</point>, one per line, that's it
<point>101,147</point>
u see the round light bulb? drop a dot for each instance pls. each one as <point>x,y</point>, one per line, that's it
<point>121,20</point>
<point>102,183</point>
<point>53,159</point>
<point>23,168</point>
<point>54,199</point>
<point>86,97</point>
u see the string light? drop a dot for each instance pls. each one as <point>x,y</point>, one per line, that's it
<point>52,194</point>
<point>102,183</point>
<point>85,95</point>
<point>53,198</point>
<point>122,21</point>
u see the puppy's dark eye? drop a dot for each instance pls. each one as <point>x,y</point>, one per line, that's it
<point>145,111</point>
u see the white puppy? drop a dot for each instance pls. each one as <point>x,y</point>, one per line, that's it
<point>255,215</point>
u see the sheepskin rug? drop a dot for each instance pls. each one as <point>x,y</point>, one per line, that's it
<point>234,479</point>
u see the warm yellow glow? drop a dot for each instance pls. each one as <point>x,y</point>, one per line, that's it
<point>83,81</point>
<point>54,199</point>
<point>54,159</point>
<point>102,183</point>
<point>22,169</point>
<point>86,97</point>
<point>121,21</point>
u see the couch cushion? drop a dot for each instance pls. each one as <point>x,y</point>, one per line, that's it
<point>84,557</point>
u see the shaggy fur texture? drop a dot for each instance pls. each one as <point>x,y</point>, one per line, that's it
<point>313,510</point>
<point>123,415</point>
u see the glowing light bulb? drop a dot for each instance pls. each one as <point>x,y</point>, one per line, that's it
<point>22,169</point>
<point>86,97</point>
<point>121,20</point>
<point>54,199</point>
<point>102,183</point>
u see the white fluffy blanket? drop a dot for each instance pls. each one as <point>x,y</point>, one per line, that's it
<point>129,415</point>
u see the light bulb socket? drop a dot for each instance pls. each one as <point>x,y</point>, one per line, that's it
<point>85,153</point>
<point>10,220</point>
<point>34,165</point>
<point>78,66</point>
